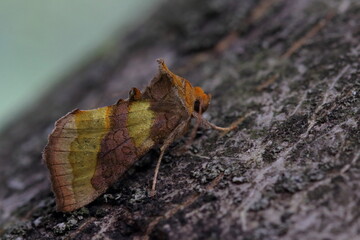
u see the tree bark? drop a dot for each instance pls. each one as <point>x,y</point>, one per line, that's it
<point>291,170</point>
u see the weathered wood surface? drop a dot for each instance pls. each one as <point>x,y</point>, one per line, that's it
<point>290,171</point>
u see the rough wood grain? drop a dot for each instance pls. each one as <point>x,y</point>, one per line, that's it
<point>291,170</point>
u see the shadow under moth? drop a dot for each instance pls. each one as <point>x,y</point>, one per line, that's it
<point>89,150</point>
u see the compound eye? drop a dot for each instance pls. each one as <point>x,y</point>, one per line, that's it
<point>197,106</point>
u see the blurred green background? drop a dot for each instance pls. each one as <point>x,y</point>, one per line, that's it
<point>40,40</point>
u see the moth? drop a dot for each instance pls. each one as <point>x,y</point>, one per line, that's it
<point>89,150</point>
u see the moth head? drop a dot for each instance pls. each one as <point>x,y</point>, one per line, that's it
<point>202,100</point>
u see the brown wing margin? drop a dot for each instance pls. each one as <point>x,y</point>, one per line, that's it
<point>55,155</point>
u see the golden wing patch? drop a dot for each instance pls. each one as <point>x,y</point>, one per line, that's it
<point>139,123</point>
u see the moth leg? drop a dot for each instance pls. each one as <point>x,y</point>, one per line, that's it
<point>193,132</point>
<point>180,150</point>
<point>153,191</point>
<point>172,136</point>
<point>211,125</point>
<point>223,129</point>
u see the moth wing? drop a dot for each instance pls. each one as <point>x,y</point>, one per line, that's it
<point>89,150</point>
<point>168,86</point>
<point>71,156</point>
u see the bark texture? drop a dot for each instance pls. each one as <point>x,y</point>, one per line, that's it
<point>290,171</point>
